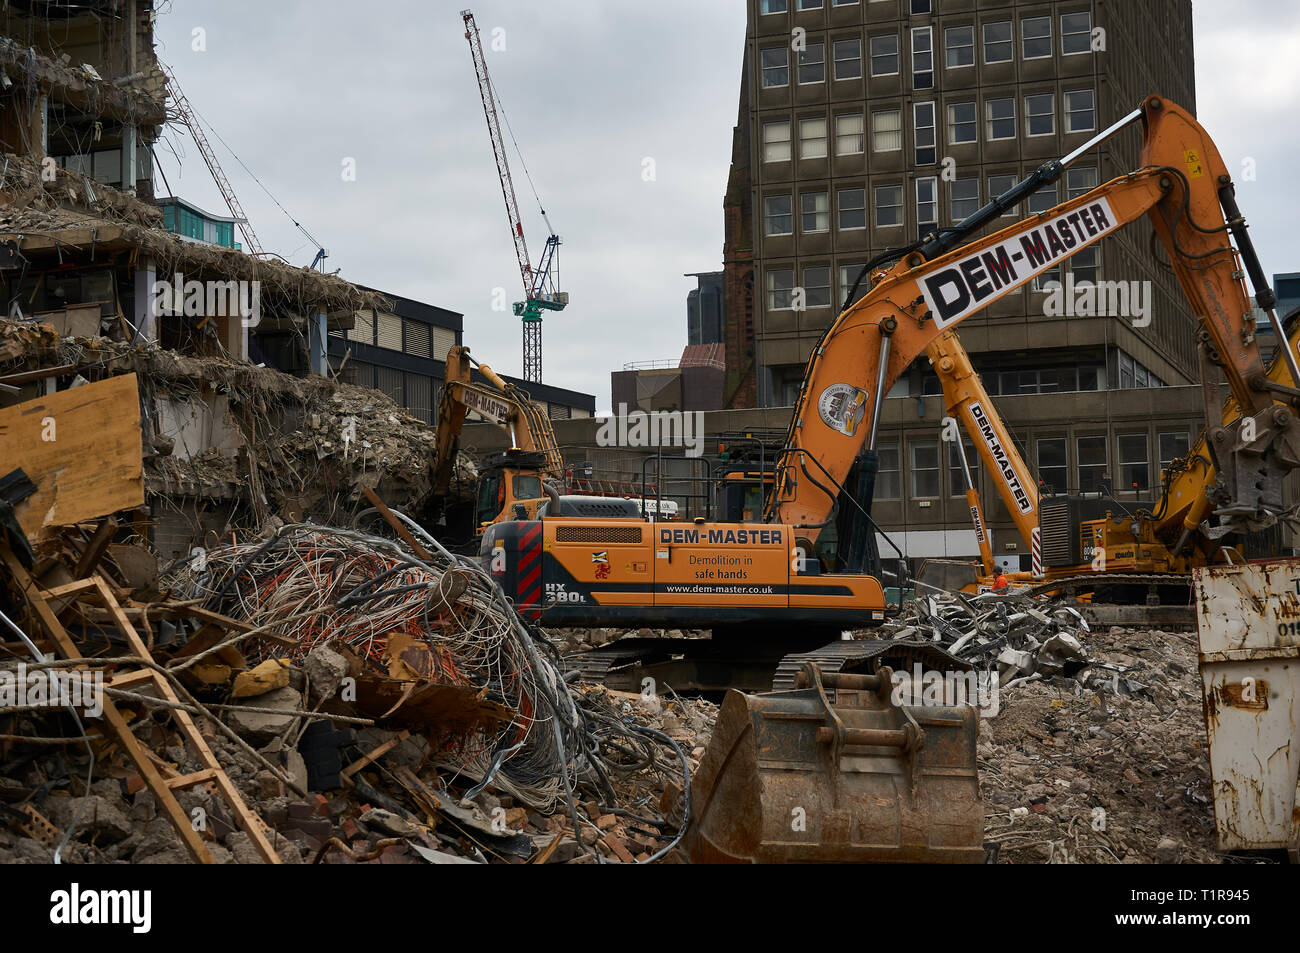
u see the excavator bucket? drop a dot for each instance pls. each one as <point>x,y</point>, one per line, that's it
<point>835,772</point>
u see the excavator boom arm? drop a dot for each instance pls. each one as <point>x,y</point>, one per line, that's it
<point>1184,187</point>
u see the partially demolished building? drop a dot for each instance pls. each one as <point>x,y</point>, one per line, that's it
<point>94,286</point>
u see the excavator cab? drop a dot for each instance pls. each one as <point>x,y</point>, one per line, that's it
<point>509,481</point>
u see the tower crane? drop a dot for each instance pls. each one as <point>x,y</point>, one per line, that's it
<point>541,291</point>
<point>187,116</point>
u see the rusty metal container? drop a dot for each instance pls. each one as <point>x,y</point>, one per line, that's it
<point>835,772</point>
<point>1248,622</point>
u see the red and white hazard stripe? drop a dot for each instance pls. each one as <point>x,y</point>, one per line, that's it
<point>1037,547</point>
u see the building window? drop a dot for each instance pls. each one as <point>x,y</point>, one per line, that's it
<point>959,46</point>
<point>923,133</point>
<point>776,67</point>
<point>778,215</point>
<point>815,208</point>
<point>1084,265</point>
<point>1040,201</point>
<point>1173,446</point>
<point>812,138</point>
<point>999,185</point>
<point>817,286</point>
<point>1076,32</point>
<point>887,131</point>
<point>1043,199</point>
<point>388,331</point>
<point>1040,114</point>
<point>964,195</point>
<point>1126,377</point>
<point>1079,181</point>
<point>810,4</point>
<point>848,134</point>
<point>922,58</point>
<point>848,59</point>
<point>776,142</point>
<point>780,288</point>
<point>852,204</point>
<point>1134,462</point>
<point>927,201</point>
<point>812,64</point>
<point>1080,115</point>
<point>889,205</point>
<point>363,328</point>
<point>774,6</point>
<point>417,339</point>
<point>843,3</point>
<point>925,469</point>
<point>962,126</point>
<point>1091,455</point>
<point>920,6</point>
<point>848,275</point>
<point>1036,38</point>
<point>1053,469</point>
<point>998,47</point>
<point>956,475</point>
<point>887,482</point>
<point>1133,373</point>
<point>1000,117</point>
<point>884,55</point>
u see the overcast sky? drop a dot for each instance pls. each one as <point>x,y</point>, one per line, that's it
<point>591,90</point>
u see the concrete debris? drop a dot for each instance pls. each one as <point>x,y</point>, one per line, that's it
<point>1017,636</point>
<point>1084,773</point>
<point>218,430</point>
<point>349,720</point>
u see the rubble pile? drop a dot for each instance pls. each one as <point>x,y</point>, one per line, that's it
<point>369,701</point>
<point>1018,636</point>
<point>303,447</point>
<point>1113,772</point>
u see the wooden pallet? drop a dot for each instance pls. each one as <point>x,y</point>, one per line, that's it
<point>163,789</point>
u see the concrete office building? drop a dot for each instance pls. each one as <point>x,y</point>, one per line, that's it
<point>866,123</point>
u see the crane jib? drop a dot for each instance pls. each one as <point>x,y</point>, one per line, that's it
<point>972,282</point>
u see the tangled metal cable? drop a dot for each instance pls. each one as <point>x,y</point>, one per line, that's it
<point>346,586</point>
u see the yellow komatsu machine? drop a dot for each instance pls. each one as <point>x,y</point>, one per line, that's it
<point>881,780</point>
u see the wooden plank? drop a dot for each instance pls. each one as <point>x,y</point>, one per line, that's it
<point>216,618</point>
<point>137,752</point>
<point>26,377</point>
<point>248,821</point>
<point>396,524</point>
<point>378,752</point>
<point>127,679</point>
<point>182,781</point>
<point>67,589</point>
<point>92,467</point>
<point>96,548</point>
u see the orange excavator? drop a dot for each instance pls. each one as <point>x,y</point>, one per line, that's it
<point>612,573</point>
<point>513,478</point>
<point>885,780</point>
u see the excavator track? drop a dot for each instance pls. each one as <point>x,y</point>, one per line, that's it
<point>1095,580</point>
<point>898,655</point>
<point>1167,616</point>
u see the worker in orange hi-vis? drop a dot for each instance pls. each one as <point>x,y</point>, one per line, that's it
<point>1000,583</point>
